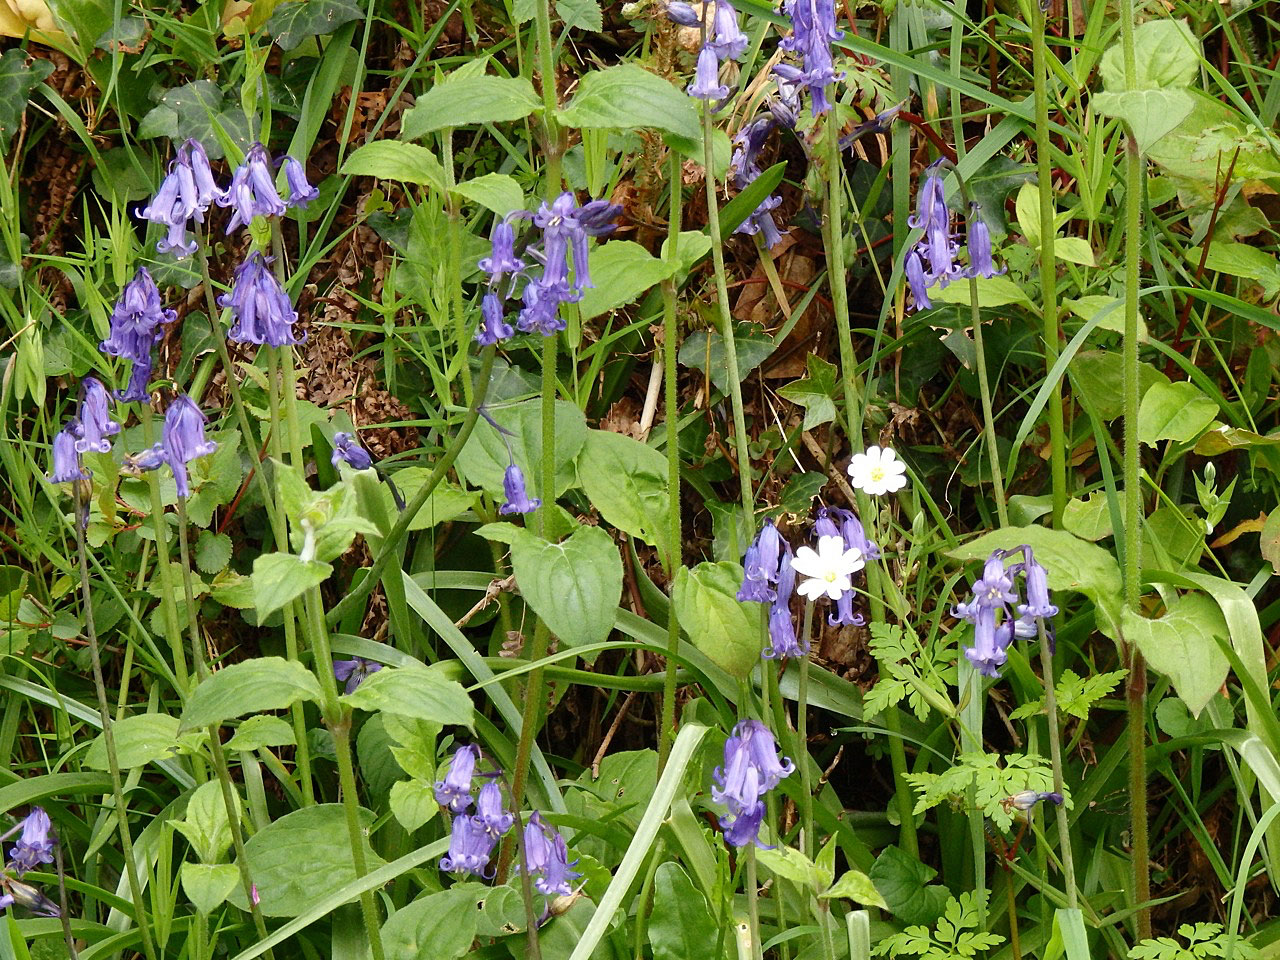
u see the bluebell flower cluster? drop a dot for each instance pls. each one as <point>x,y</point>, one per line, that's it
<point>87,432</point>
<point>931,261</point>
<point>813,30</point>
<point>724,40</point>
<point>34,845</point>
<point>744,168</point>
<point>354,672</point>
<point>137,320</point>
<point>999,614</point>
<point>768,577</point>
<point>547,858</point>
<point>565,231</point>
<point>751,769</point>
<point>347,449</point>
<point>182,440</point>
<point>837,522</point>
<point>262,310</point>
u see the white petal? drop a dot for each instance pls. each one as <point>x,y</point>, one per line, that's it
<point>807,563</point>
<point>811,589</point>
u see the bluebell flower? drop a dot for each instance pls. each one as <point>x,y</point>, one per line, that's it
<point>454,791</point>
<point>995,587</point>
<point>517,497</point>
<point>913,266</point>
<point>855,536</point>
<point>844,614</point>
<point>136,321</point>
<point>785,107</point>
<point>782,628</point>
<point>726,37</point>
<point>346,449</point>
<point>824,524</point>
<point>938,245</point>
<point>470,848</point>
<point>353,672</point>
<point>491,816</point>
<point>747,144</point>
<point>95,418</point>
<point>565,230</point>
<point>34,846</point>
<point>990,642</point>
<point>27,896</point>
<point>744,827</point>
<point>173,207</point>
<point>301,192</point>
<point>751,769</point>
<point>191,154</point>
<point>596,217</point>
<point>252,192</point>
<point>547,858</point>
<point>152,458</point>
<point>493,327</point>
<point>1027,799</point>
<point>683,14</point>
<point>980,259</point>
<point>760,565</point>
<point>706,77</point>
<point>502,260</point>
<point>813,26</point>
<point>761,221</point>
<point>541,310</point>
<point>184,440</point>
<point>67,466</point>
<point>262,310</point>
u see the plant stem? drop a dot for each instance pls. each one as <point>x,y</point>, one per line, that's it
<point>391,542</point>
<point>670,324</point>
<point>802,735</point>
<point>753,906</point>
<point>1048,265</point>
<point>1055,756</point>
<point>988,414</point>
<point>108,734</point>
<point>455,258</point>
<point>834,236</point>
<point>1136,691</point>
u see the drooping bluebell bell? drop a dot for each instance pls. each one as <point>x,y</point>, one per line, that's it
<point>824,524</point>
<point>173,207</point>
<point>184,440</point>
<point>66,458</point>
<point>813,30</point>
<point>493,327</point>
<point>470,848</point>
<point>191,154</point>
<point>751,769</point>
<point>34,846</point>
<point>844,614</point>
<point>980,257</point>
<point>760,565</point>
<point>744,827</point>
<point>517,497</point>
<point>725,37</point>
<point>913,267</point>
<point>596,218</point>
<point>353,672</point>
<point>990,610</point>
<point>706,78</point>
<point>491,815</point>
<point>682,13</point>
<point>938,246</point>
<point>1036,579</point>
<point>761,221</point>
<point>502,261</point>
<point>541,310</point>
<point>150,458</point>
<point>252,192</point>
<point>547,857</point>
<point>95,418</point>
<point>260,306</point>
<point>454,791</point>
<point>346,449</point>
<point>744,167</point>
<point>1026,800</point>
<point>855,535</point>
<point>565,230</point>
<point>301,192</point>
<point>782,628</point>
<point>29,898</point>
<point>877,124</point>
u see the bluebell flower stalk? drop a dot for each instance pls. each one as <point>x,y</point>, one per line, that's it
<point>262,310</point>
<point>751,769</point>
<point>813,30</point>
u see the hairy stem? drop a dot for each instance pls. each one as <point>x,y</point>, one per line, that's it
<point>1055,756</point>
<point>988,413</point>
<point>802,736</point>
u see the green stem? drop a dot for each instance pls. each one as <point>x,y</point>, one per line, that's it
<point>753,906</point>
<point>836,276</point>
<point>802,737</point>
<point>988,414</point>
<point>108,733</point>
<point>1055,756</point>
<point>670,324</point>
<point>1048,265</point>
<point>391,542</point>
<point>1136,692</point>
<point>455,260</point>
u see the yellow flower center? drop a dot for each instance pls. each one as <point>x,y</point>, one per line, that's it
<point>830,576</point>
<point>877,474</point>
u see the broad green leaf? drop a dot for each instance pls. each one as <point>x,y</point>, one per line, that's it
<point>304,856</point>
<point>139,740</point>
<point>724,628</point>
<point>205,825</point>
<point>1269,539</point>
<point>621,271</point>
<point>254,686</point>
<point>1149,114</point>
<point>493,191</point>
<point>213,551</point>
<point>1181,645</point>
<point>992,292</point>
<point>582,14</point>
<point>1074,250</point>
<point>484,459</point>
<point>1091,519</point>
<point>18,77</point>
<point>1072,564</point>
<point>754,348</point>
<point>412,803</point>
<point>1220,438</point>
<point>790,864</point>
<point>903,881</point>
<point>460,101</point>
<point>856,886</point>
<point>1176,411</point>
<point>629,97</point>
<point>296,20</point>
<point>1155,100</point>
<point>1097,375</point>
<point>396,160</point>
<point>261,731</point>
<point>1241,260</point>
<point>626,481</point>
<point>418,692</point>
<point>207,885</point>
<point>681,925</point>
<point>199,110</point>
<point>440,926</point>
<point>574,585</point>
<point>815,392</point>
<point>281,577</point>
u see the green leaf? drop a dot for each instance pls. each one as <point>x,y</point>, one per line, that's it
<point>412,803</point>
<point>1156,100</point>
<point>1091,519</point>
<point>621,271</point>
<point>681,924</point>
<point>583,14</point>
<point>440,926</point>
<point>264,683</point>
<point>493,191</point>
<point>207,885</point>
<point>1174,411</point>
<point>199,110</point>
<point>18,77</point>
<point>1241,260</point>
<point>789,864</point>
<point>1072,564</point>
<point>815,392</point>
<point>213,551</point>
<point>629,97</point>
<point>205,825</point>
<point>281,577</point>
<point>396,160</point>
<point>701,346</point>
<point>724,628</point>
<point>460,101</point>
<point>139,740</point>
<point>261,731</point>
<point>626,481</point>
<point>296,20</point>
<point>574,586</point>
<point>992,292</point>
<point>856,886</point>
<point>903,881</point>
<point>418,692</point>
<point>484,458</point>
<point>1181,645</point>
<point>299,859</point>
<point>1096,374</point>
<point>1149,114</point>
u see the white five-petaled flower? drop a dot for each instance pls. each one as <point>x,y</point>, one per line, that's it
<point>878,471</point>
<point>828,569</point>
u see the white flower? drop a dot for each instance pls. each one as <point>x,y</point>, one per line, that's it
<point>878,471</point>
<point>828,568</point>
